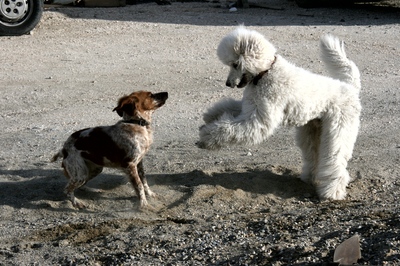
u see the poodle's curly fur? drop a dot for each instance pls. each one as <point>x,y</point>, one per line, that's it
<point>325,110</point>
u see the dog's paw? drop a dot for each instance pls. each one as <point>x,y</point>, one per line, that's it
<point>207,146</point>
<point>207,141</point>
<point>145,207</point>
<point>335,192</point>
<point>158,197</point>
<point>306,177</point>
<point>333,187</point>
<point>154,195</point>
<point>201,145</point>
<point>79,204</point>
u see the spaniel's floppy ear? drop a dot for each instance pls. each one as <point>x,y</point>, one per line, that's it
<point>126,104</point>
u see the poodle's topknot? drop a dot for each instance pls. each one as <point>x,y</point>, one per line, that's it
<point>247,48</point>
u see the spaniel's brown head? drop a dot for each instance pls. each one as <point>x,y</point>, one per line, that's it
<point>140,104</point>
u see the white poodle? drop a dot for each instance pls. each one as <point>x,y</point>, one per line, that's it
<point>325,110</point>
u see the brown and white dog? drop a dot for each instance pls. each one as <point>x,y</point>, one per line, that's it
<point>121,146</point>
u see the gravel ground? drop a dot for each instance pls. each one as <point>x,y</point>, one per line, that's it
<point>237,206</point>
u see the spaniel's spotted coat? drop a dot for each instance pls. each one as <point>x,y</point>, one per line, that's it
<point>122,146</point>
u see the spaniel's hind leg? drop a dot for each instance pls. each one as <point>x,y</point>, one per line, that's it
<point>78,174</point>
<point>93,171</point>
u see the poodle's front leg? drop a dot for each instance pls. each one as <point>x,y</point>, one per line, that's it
<point>230,106</point>
<point>233,130</point>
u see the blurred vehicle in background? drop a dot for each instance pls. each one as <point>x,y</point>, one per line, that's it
<point>18,17</point>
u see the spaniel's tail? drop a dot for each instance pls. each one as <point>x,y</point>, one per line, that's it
<point>56,156</point>
<point>335,59</point>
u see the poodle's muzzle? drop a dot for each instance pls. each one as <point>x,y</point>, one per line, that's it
<point>238,79</point>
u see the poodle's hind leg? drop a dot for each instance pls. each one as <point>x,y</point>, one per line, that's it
<point>337,142</point>
<point>308,139</point>
<point>230,106</point>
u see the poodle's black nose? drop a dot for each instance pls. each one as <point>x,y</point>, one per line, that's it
<point>228,83</point>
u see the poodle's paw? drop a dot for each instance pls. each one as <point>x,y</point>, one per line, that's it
<point>332,187</point>
<point>207,146</point>
<point>207,140</point>
<point>306,177</point>
<point>333,192</point>
<point>339,194</point>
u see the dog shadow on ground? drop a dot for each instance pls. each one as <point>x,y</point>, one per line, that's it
<point>284,184</point>
<point>29,188</point>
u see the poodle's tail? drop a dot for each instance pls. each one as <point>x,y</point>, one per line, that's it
<point>335,59</point>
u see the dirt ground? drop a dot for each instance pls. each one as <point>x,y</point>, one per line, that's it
<point>237,206</point>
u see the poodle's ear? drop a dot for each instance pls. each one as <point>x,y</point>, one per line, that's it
<point>126,104</point>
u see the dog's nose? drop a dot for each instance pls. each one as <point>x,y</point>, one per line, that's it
<point>228,83</point>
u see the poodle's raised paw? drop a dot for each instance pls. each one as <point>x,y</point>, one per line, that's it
<point>201,145</point>
<point>207,140</point>
<point>225,106</point>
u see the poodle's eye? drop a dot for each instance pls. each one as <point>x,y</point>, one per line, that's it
<point>235,65</point>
